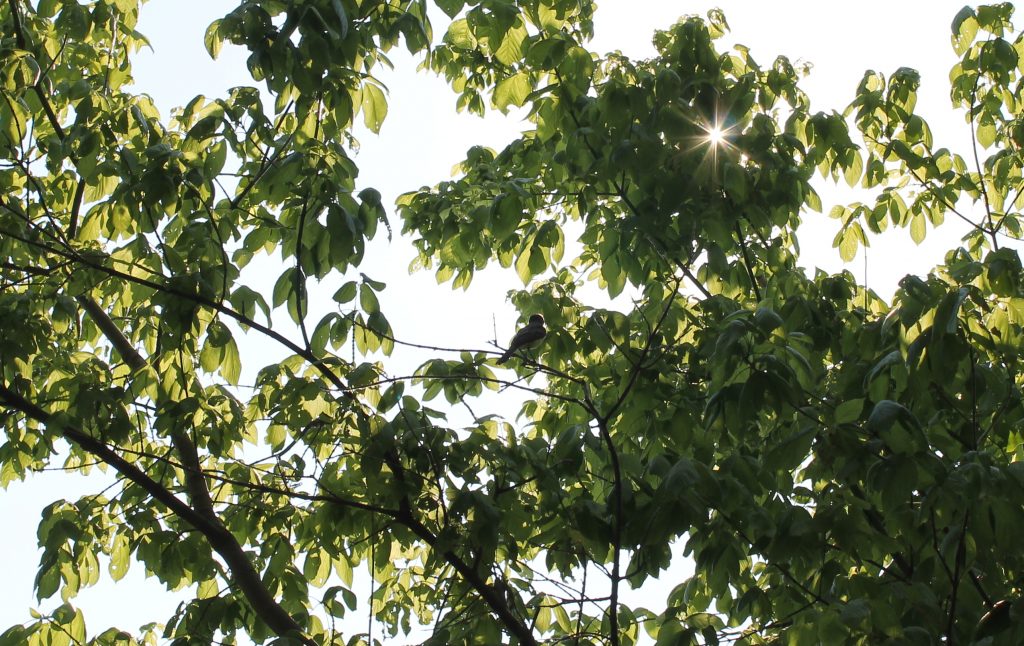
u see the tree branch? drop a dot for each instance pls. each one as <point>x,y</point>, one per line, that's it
<point>220,539</point>
<point>243,572</point>
<point>493,596</point>
<point>746,261</point>
<point>71,254</point>
<point>203,518</point>
<point>977,161</point>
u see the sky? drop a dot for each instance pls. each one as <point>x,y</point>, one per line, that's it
<point>424,137</point>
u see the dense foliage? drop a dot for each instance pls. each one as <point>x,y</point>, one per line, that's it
<point>838,468</point>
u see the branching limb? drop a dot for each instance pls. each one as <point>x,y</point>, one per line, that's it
<point>221,540</point>
<point>977,163</point>
<point>493,595</point>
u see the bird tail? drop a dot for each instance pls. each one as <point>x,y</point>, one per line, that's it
<point>505,357</point>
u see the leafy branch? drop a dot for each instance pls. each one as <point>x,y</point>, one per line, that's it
<point>220,539</point>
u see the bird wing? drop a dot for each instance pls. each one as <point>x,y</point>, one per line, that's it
<point>523,338</point>
<point>527,335</point>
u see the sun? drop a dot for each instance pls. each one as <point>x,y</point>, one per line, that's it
<point>716,136</point>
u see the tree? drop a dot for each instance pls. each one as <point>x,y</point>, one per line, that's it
<point>839,468</point>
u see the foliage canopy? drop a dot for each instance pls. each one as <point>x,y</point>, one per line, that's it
<point>840,469</point>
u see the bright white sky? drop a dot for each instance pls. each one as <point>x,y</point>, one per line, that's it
<point>423,138</point>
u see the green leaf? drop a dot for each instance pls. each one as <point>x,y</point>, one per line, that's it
<point>47,8</point>
<point>853,172</point>
<point>451,7</point>
<point>897,427</point>
<point>284,288</point>
<point>213,164</point>
<point>986,133</point>
<point>339,11</point>
<point>512,91</point>
<point>245,300</point>
<point>212,39</point>
<point>791,451</point>
<point>460,35</point>
<point>947,312</point>
<point>767,320</point>
<point>370,196</point>
<point>511,49</point>
<point>368,300</point>
<point>893,358</point>
<point>847,244</point>
<point>231,363</point>
<point>375,107</point>
<point>346,292</point>
<point>523,267</point>
<point>119,557</point>
<point>350,598</point>
<point>813,199</point>
<point>918,227</point>
<point>849,411</point>
<point>965,27</point>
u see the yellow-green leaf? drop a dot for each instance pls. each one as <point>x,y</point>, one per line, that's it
<point>119,557</point>
<point>512,91</point>
<point>375,107</point>
<point>212,39</point>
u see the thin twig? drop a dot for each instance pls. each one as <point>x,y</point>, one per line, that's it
<point>977,160</point>
<point>747,262</point>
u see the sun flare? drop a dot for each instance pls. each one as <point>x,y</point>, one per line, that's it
<point>715,136</point>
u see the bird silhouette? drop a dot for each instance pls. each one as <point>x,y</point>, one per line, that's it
<point>526,337</point>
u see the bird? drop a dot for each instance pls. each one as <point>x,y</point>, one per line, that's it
<point>526,337</point>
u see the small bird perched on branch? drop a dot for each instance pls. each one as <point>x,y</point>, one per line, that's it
<point>527,337</point>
